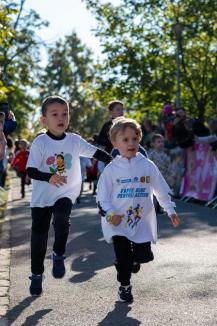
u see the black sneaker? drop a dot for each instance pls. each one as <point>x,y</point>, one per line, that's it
<point>58,270</point>
<point>124,294</point>
<point>36,284</point>
<point>135,267</point>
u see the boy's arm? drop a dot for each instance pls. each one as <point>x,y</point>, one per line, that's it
<point>34,162</point>
<point>102,156</point>
<point>104,193</point>
<point>88,150</point>
<point>34,173</point>
<point>54,179</point>
<point>206,139</point>
<point>161,191</point>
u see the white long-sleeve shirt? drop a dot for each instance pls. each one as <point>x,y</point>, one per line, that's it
<point>126,187</point>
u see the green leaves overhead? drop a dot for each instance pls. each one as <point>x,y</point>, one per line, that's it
<point>19,58</point>
<point>139,42</point>
<point>70,73</point>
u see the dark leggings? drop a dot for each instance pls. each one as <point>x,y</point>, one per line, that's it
<point>22,182</point>
<point>126,253</point>
<point>41,218</point>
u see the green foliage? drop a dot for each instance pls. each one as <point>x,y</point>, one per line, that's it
<point>70,73</point>
<point>139,42</point>
<point>19,59</point>
<point>7,34</point>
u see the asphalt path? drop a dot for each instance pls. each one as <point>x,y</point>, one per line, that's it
<point>178,288</point>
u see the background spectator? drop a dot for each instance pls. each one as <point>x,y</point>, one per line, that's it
<point>116,109</point>
<point>19,163</point>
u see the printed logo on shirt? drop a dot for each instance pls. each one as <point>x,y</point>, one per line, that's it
<point>133,216</point>
<point>59,163</point>
<point>132,193</point>
<point>142,179</point>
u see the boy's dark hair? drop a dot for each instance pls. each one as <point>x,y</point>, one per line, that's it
<point>156,136</point>
<point>112,104</point>
<point>50,100</point>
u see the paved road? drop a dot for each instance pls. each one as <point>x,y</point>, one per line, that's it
<point>178,288</point>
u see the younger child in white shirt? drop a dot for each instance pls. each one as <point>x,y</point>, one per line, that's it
<point>125,198</point>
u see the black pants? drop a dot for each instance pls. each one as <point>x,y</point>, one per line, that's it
<point>126,253</point>
<point>41,218</point>
<point>22,176</point>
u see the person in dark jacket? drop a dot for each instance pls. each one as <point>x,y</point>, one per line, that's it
<point>116,109</point>
<point>185,129</point>
<point>9,126</point>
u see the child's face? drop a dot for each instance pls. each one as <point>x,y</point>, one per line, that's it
<point>117,111</point>
<point>22,145</point>
<point>127,143</point>
<point>56,118</point>
<point>158,144</point>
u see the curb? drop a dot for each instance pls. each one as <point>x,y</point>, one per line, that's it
<point>5,259</point>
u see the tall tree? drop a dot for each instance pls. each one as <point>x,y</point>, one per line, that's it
<point>139,43</point>
<point>19,59</point>
<point>7,33</point>
<point>70,73</point>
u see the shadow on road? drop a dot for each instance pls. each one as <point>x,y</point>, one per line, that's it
<point>16,311</point>
<point>87,249</point>
<point>90,252</point>
<point>34,319</point>
<point>119,317</point>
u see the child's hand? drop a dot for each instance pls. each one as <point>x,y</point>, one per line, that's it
<point>175,220</point>
<point>116,219</point>
<point>57,180</point>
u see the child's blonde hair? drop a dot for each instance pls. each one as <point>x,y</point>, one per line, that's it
<point>24,143</point>
<point>120,124</point>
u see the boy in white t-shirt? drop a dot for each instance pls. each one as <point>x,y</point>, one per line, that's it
<point>125,198</point>
<point>54,166</point>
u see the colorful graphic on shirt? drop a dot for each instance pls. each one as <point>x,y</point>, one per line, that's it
<point>133,216</point>
<point>132,192</point>
<point>59,163</point>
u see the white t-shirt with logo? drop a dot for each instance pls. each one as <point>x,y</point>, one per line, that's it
<point>126,187</point>
<point>61,157</point>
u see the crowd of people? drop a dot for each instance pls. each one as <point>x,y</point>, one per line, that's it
<point>132,169</point>
<point>13,154</point>
<point>164,142</point>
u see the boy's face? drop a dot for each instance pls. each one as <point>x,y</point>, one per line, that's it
<point>158,144</point>
<point>56,118</point>
<point>127,143</point>
<point>117,111</point>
